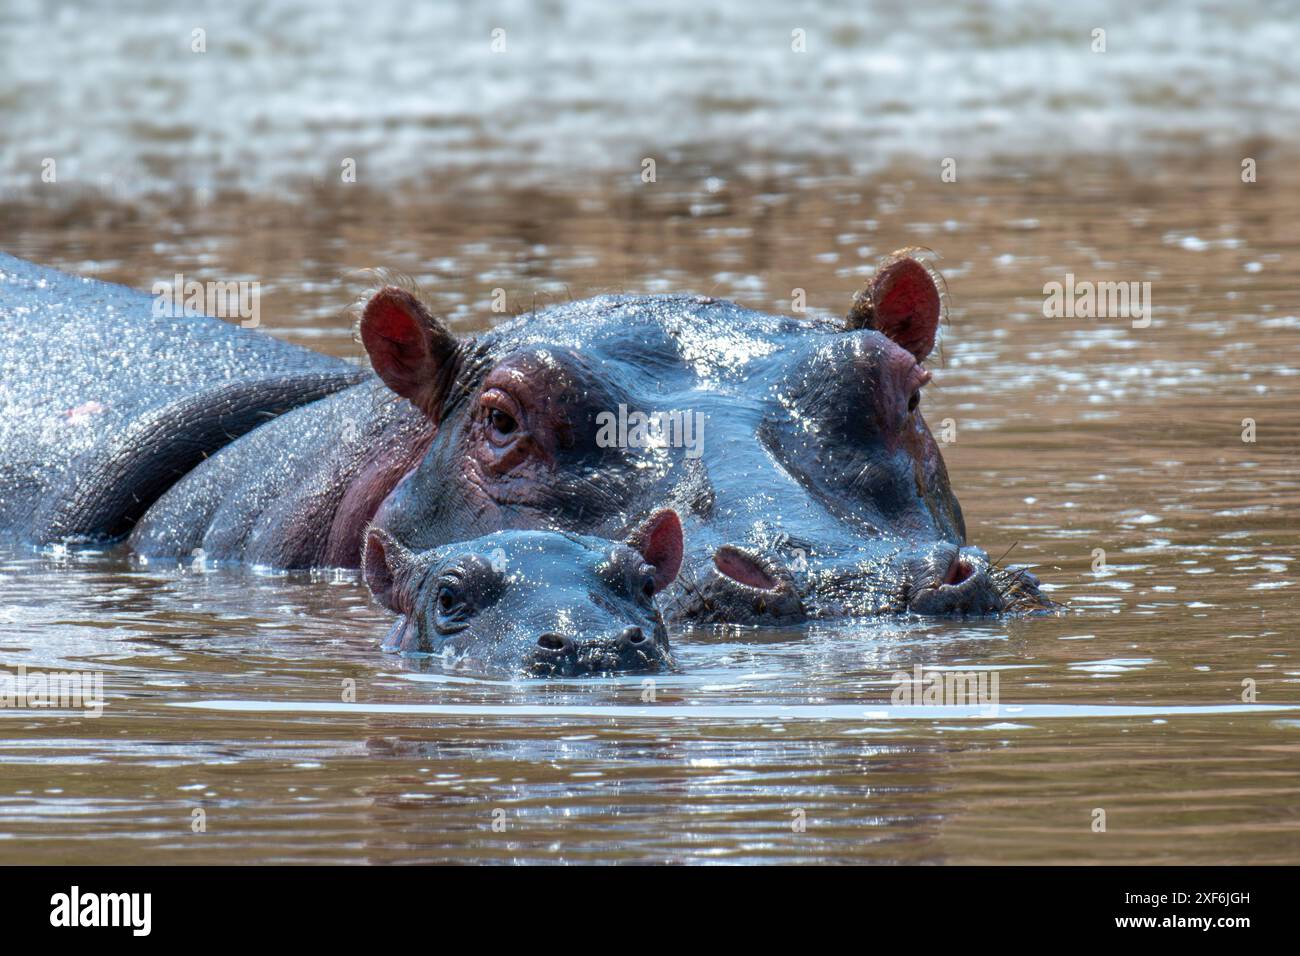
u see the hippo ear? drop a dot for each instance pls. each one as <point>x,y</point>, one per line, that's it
<point>901,302</point>
<point>659,540</point>
<point>412,351</point>
<point>388,569</point>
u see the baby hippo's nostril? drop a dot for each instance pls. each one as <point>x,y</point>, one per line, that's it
<point>556,643</point>
<point>632,637</point>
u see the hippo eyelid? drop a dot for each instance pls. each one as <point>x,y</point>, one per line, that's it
<point>917,380</point>
<point>467,570</point>
<point>477,582</point>
<point>451,613</point>
<point>611,568</point>
<point>501,415</point>
<point>641,582</point>
<point>623,572</point>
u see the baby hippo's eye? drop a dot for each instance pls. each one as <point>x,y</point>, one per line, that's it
<point>464,589</point>
<point>917,380</point>
<point>451,610</point>
<point>625,572</point>
<point>644,587</point>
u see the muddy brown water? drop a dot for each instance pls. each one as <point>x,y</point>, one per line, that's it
<point>1166,695</point>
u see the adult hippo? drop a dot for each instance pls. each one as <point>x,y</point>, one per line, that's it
<point>805,475</point>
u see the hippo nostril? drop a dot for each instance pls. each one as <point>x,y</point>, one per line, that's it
<point>958,571</point>
<point>554,642</point>
<point>632,637</point>
<point>964,587</point>
<point>744,568</point>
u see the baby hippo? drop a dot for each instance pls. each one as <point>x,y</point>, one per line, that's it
<point>535,602</point>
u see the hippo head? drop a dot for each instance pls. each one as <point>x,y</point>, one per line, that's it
<point>537,602</point>
<point>793,448</point>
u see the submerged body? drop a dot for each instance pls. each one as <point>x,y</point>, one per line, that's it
<point>810,486</point>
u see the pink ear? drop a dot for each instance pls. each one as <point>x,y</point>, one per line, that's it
<point>387,567</point>
<point>659,540</point>
<point>902,302</point>
<point>410,350</point>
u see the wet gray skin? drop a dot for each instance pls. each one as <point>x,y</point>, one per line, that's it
<point>809,486</point>
<point>815,489</point>
<point>540,603</point>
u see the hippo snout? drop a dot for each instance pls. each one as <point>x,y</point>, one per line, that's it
<point>632,650</point>
<point>754,585</point>
<point>961,584</point>
<point>744,585</point>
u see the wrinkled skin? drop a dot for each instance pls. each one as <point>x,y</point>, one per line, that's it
<point>531,602</point>
<point>817,489</point>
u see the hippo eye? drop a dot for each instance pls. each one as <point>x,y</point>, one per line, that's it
<point>501,423</point>
<point>500,416</point>
<point>918,379</point>
<point>646,592</point>
<point>451,612</point>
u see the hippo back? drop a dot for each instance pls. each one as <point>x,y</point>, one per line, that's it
<point>104,404</point>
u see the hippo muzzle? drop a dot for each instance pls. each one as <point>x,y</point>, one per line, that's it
<point>537,603</point>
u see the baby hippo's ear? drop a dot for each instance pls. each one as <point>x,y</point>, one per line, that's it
<point>659,540</point>
<point>412,351</point>
<point>389,570</point>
